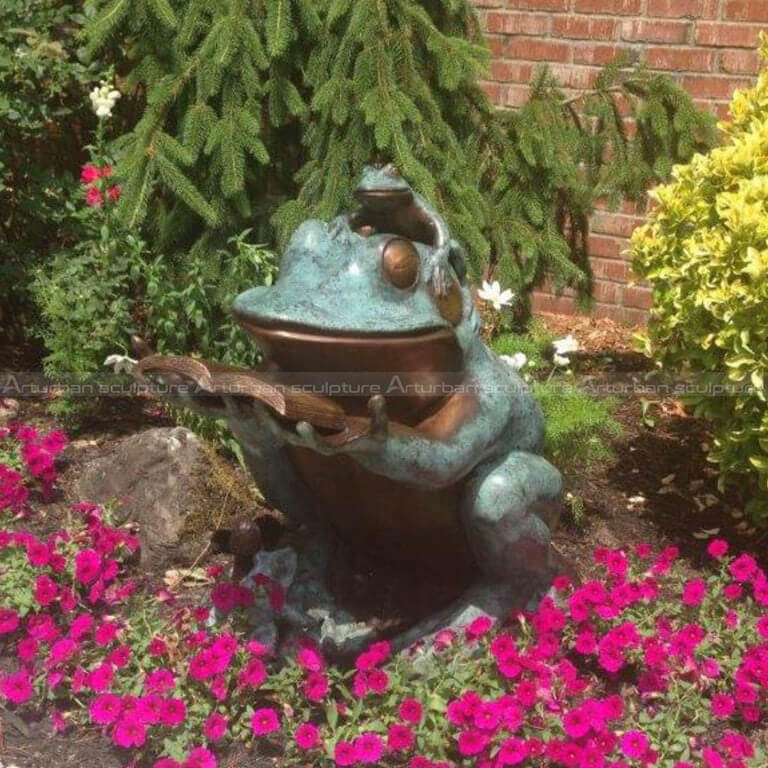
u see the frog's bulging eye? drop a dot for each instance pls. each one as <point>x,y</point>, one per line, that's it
<point>400,262</point>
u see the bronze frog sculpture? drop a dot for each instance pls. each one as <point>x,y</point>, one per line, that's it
<point>440,477</point>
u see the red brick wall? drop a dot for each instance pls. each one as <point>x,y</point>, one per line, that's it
<point>709,46</point>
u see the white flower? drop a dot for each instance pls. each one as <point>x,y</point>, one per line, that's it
<point>563,348</point>
<point>103,99</point>
<point>516,362</point>
<point>492,293</point>
<point>566,346</point>
<point>120,363</point>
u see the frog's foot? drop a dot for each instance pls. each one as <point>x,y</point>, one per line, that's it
<point>509,509</point>
<point>496,599</point>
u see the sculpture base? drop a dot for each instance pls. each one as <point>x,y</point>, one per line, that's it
<point>361,601</point>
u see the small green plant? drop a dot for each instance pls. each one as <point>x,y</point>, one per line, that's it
<point>533,344</point>
<point>579,426</point>
<point>704,253</point>
<point>576,508</point>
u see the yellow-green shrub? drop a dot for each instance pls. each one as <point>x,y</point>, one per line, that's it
<point>705,252</point>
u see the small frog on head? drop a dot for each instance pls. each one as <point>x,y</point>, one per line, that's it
<point>389,204</point>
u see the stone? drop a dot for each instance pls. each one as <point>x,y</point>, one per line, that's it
<point>9,411</point>
<point>165,481</point>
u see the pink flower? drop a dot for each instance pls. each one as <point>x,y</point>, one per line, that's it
<point>87,565</point>
<point>106,632</point>
<point>307,736</point>
<point>265,721</point>
<point>89,174</point>
<point>411,711</point>
<point>694,592</point>
<point>515,751</point>
<point>156,647</point>
<point>472,742</point>
<point>380,651</point>
<point>344,754</point>
<point>166,762</point>
<point>173,712</point>
<point>368,748</point>
<point>561,583</point>
<point>94,199</point>
<point>722,706</point>
<point>310,659</point>
<point>114,193</point>
<point>129,733</point>
<point>576,723</point>
<point>712,758</point>
<point>9,621</point>
<point>27,648</point>
<point>743,568</point>
<point>16,687</point>
<point>253,674</point>
<point>159,681</point>
<point>378,681</point>
<point>717,548</point>
<point>399,738</point>
<point>634,744</point>
<point>101,678</point>
<point>105,709</point>
<point>215,726</point>
<point>38,553</point>
<point>479,627</point>
<point>316,686</point>
<point>58,723</point>
<point>200,757</point>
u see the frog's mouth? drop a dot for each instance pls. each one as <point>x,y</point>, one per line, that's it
<point>296,347</point>
<point>385,198</point>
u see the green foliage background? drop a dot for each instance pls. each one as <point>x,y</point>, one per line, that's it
<point>240,118</point>
<point>705,254</point>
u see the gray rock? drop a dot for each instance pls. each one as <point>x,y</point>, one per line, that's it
<point>159,479</point>
<point>9,410</point>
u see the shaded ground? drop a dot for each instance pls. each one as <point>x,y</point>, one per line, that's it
<point>659,488</point>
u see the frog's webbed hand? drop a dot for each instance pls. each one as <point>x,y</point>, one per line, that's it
<point>440,271</point>
<point>351,440</point>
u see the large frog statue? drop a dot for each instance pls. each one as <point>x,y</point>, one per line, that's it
<point>429,451</point>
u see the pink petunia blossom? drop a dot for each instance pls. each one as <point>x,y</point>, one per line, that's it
<point>9,621</point>
<point>634,744</point>
<point>472,742</point>
<point>16,687</point>
<point>400,738</point>
<point>129,733</point>
<point>722,706</point>
<point>344,753</point>
<point>694,592</point>
<point>717,548</point>
<point>215,726</point>
<point>200,757</point>
<point>411,711</point>
<point>173,712</point>
<point>265,721</point>
<point>368,748</point>
<point>310,659</point>
<point>307,736</point>
<point>87,566</point>
<point>479,627</point>
<point>105,709</point>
